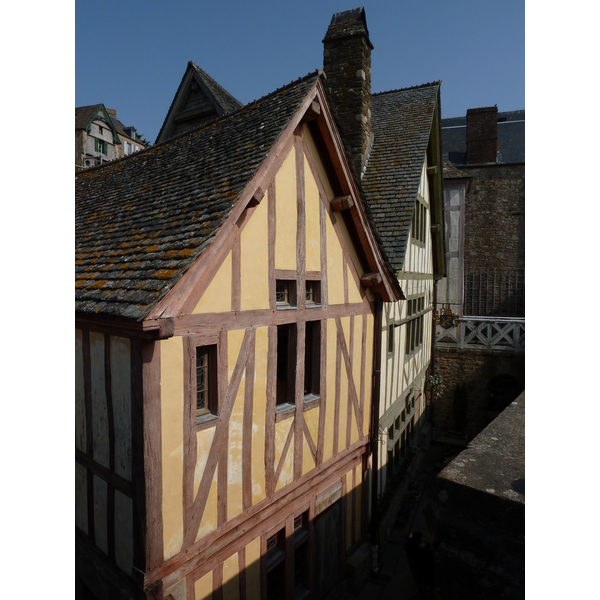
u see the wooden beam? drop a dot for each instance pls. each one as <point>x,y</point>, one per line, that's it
<point>432,170</point>
<point>342,203</point>
<point>313,111</point>
<point>256,198</point>
<point>370,279</point>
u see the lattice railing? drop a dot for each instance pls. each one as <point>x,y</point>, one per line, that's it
<point>491,333</point>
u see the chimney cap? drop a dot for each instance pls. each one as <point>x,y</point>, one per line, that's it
<point>357,25</point>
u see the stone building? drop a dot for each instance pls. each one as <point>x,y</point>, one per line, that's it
<point>480,306</point>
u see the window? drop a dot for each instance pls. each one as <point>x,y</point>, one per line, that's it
<point>419,222</point>
<point>100,146</point>
<point>313,293</point>
<point>414,327</point>
<point>100,129</point>
<point>285,293</point>
<point>286,363</point>
<point>312,360</point>
<point>127,148</point>
<point>390,339</point>
<point>278,553</point>
<point>206,380</point>
<point>275,565</point>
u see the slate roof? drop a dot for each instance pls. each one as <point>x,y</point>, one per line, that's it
<point>84,114</point>
<point>402,121</point>
<point>511,138</point>
<point>222,101</point>
<point>143,220</point>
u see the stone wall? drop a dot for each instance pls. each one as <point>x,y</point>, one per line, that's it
<point>495,218</point>
<point>475,369</point>
<point>481,514</point>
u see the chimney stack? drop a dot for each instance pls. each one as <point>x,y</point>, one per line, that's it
<point>347,65</point>
<point>112,113</point>
<point>482,135</point>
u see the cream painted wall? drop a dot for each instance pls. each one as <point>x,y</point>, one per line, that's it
<point>171,373</point>
<point>286,217</point>
<point>255,259</point>
<point>259,415</point>
<point>312,209</point>
<point>217,297</point>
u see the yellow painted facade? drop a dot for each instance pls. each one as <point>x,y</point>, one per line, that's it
<point>334,416</point>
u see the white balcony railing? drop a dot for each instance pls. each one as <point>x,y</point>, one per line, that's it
<point>491,333</point>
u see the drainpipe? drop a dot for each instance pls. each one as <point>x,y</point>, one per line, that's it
<point>375,433</point>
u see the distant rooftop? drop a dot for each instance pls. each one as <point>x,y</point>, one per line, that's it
<point>511,138</point>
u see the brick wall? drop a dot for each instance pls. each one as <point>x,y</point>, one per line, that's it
<point>495,217</point>
<point>474,369</point>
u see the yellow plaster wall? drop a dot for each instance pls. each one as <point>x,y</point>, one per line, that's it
<point>217,297</point>
<point>368,372</point>
<point>281,432</point>
<point>204,441</point>
<point>234,455</point>
<point>80,430</point>
<point>209,517</point>
<point>203,587</point>
<point>286,214</point>
<point>335,265</point>
<point>171,377</point>
<point>311,418</point>
<point>353,289</point>
<point>253,569</point>
<point>313,220</point>
<point>317,160</point>
<point>259,414</point>
<point>330,386</point>
<point>231,574</point>
<point>255,260</point>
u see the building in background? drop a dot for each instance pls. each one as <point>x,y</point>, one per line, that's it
<point>100,137</point>
<point>199,99</point>
<point>480,309</point>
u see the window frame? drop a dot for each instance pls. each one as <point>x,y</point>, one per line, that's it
<point>415,324</point>
<point>208,416</point>
<point>291,301</point>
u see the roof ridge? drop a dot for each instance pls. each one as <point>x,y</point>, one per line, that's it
<point>316,72</point>
<point>215,82</point>
<point>412,87</point>
<point>243,107</point>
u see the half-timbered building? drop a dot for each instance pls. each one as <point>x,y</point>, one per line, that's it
<point>227,293</point>
<point>394,140</point>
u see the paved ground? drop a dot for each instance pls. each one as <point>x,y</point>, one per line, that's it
<point>395,580</point>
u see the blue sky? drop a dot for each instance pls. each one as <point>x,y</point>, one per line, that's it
<point>131,55</point>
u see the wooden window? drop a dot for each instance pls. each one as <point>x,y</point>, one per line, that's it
<point>286,363</point>
<point>285,293</point>
<point>206,380</point>
<point>415,324</point>
<point>313,293</point>
<point>100,146</point>
<point>200,363</point>
<point>312,360</point>
<point>390,348</point>
<point>419,222</point>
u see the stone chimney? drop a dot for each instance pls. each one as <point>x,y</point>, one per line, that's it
<point>347,65</point>
<point>482,135</point>
<point>112,113</point>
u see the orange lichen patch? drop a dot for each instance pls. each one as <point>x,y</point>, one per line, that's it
<point>99,284</point>
<point>164,273</point>
<point>152,248</point>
